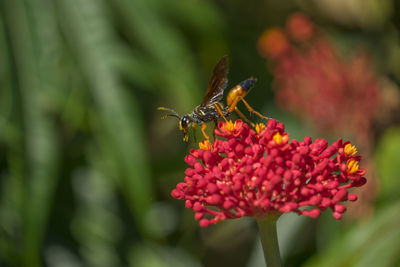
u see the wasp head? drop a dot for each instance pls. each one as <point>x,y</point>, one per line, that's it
<point>184,122</point>
<point>184,125</point>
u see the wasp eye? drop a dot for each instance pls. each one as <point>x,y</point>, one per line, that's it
<point>185,122</point>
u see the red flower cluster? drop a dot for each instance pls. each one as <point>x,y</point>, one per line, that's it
<point>314,81</point>
<point>261,173</point>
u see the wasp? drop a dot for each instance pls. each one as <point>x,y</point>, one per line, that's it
<point>211,108</point>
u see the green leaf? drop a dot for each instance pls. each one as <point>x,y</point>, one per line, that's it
<point>116,113</point>
<point>376,243</point>
<point>388,161</point>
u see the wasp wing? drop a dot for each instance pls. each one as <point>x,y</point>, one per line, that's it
<point>217,84</point>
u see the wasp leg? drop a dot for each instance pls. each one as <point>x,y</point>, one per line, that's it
<point>233,105</point>
<point>251,110</point>
<point>215,126</point>
<point>244,117</point>
<point>218,108</point>
<point>194,132</point>
<point>203,128</point>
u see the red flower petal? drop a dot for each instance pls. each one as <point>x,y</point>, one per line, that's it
<point>254,174</point>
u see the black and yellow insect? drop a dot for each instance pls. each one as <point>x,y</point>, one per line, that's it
<point>211,109</point>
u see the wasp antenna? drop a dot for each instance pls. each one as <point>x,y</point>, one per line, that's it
<point>174,113</point>
<point>170,115</point>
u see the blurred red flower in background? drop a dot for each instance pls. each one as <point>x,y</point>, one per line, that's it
<point>261,173</point>
<point>300,28</point>
<point>313,81</point>
<point>274,43</point>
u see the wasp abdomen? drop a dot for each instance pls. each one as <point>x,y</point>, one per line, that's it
<point>248,84</point>
<point>239,91</point>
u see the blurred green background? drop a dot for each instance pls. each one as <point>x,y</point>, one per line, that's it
<point>87,166</point>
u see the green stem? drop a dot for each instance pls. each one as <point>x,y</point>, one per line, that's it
<point>269,241</point>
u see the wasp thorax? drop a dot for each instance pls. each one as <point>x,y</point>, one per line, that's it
<point>184,122</point>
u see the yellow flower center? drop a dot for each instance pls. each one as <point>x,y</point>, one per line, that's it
<point>352,166</point>
<point>230,126</point>
<point>277,138</point>
<point>260,127</point>
<point>205,145</point>
<point>350,149</point>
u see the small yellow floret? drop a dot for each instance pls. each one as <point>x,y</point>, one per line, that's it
<point>205,145</point>
<point>277,138</point>
<point>260,127</point>
<point>352,166</point>
<point>230,126</point>
<point>350,149</point>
